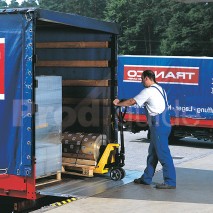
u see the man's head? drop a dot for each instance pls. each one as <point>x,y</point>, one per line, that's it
<point>148,78</point>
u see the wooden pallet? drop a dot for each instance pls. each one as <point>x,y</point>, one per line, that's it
<point>78,167</point>
<point>48,179</point>
<point>79,161</point>
<point>79,170</point>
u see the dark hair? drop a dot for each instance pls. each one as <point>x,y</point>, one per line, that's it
<point>150,74</point>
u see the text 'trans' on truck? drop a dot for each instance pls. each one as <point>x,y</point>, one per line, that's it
<point>188,82</point>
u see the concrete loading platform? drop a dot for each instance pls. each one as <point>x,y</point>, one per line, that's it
<point>194,193</point>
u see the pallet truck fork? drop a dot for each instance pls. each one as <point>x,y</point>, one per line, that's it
<point>112,154</point>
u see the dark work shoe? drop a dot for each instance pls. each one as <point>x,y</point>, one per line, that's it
<point>164,186</point>
<point>140,181</point>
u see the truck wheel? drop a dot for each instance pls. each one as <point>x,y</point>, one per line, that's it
<point>148,135</point>
<point>173,139</point>
<point>116,174</point>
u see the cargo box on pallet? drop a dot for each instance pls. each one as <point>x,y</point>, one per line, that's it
<point>48,125</point>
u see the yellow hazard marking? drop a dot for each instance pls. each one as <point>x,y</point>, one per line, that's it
<point>63,202</point>
<point>59,204</point>
<point>73,199</point>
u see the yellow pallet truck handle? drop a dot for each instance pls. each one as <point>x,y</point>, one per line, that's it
<point>116,172</point>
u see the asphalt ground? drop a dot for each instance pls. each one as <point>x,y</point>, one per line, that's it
<point>136,150</point>
<point>189,157</point>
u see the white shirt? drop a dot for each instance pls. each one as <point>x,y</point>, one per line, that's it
<point>152,99</point>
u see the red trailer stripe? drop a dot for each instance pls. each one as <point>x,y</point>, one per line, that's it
<point>18,186</point>
<point>174,121</point>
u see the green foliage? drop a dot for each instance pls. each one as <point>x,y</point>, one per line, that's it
<point>163,27</point>
<point>14,4</point>
<point>142,23</point>
<point>148,27</point>
<point>29,3</point>
<point>189,31</point>
<point>89,8</point>
<point>3,4</point>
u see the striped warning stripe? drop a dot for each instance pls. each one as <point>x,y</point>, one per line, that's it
<point>63,202</point>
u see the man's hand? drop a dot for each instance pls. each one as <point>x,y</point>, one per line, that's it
<point>125,103</point>
<point>116,101</point>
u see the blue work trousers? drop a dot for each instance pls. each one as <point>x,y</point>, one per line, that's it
<point>159,150</point>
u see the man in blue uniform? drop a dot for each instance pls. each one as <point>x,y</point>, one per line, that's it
<point>154,99</point>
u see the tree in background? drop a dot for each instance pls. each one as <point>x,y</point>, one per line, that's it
<point>148,27</point>
<point>124,12</point>
<point>14,4</point>
<point>142,23</point>
<point>90,8</point>
<point>62,6</point>
<point>163,27</point>
<point>189,31</point>
<point>3,4</point>
<point>29,3</point>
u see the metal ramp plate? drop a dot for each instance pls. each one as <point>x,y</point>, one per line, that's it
<point>85,187</point>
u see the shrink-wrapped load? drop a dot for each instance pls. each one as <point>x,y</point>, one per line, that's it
<point>48,125</point>
<point>82,145</point>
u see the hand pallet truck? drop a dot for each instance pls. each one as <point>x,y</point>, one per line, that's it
<point>112,154</point>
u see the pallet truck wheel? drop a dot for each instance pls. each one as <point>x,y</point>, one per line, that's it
<point>123,173</point>
<point>116,174</point>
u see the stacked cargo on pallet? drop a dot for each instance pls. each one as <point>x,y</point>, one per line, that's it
<point>48,121</point>
<point>82,145</point>
<point>81,152</point>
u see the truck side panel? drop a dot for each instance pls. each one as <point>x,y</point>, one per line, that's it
<point>16,98</point>
<point>16,95</point>
<point>187,80</point>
